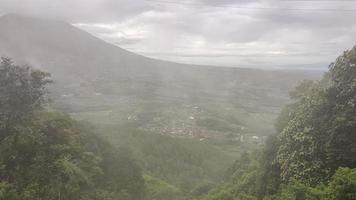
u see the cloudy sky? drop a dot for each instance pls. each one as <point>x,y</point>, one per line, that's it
<point>302,34</point>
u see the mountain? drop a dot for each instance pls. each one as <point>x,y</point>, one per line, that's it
<point>106,84</point>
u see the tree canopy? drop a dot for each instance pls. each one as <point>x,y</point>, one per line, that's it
<point>313,156</point>
<point>47,155</point>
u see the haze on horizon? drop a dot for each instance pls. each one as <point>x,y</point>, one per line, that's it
<point>266,34</point>
<point>177,100</point>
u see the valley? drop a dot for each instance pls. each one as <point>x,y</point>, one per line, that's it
<point>184,125</point>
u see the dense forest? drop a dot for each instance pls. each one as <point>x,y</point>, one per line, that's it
<point>46,155</point>
<point>313,156</point>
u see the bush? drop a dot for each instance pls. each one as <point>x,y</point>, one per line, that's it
<point>343,185</point>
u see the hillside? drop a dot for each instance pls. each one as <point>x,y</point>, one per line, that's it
<point>103,83</point>
<point>312,157</point>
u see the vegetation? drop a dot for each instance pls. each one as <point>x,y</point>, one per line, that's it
<point>182,162</point>
<point>313,155</point>
<point>160,190</point>
<point>46,155</point>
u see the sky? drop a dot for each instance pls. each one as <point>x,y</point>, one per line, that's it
<point>268,34</point>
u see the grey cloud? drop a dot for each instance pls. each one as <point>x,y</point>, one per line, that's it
<point>203,30</point>
<point>76,10</point>
<point>225,2</point>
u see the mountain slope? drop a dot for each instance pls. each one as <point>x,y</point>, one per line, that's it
<point>103,83</point>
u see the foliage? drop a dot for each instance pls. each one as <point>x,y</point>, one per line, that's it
<point>46,155</point>
<point>202,188</point>
<point>316,140</point>
<point>182,162</point>
<point>156,189</point>
<point>224,192</point>
<point>22,92</point>
<point>320,134</point>
<point>343,185</point>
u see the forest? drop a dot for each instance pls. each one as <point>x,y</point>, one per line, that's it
<point>312,156</point>
<point>45,154</point>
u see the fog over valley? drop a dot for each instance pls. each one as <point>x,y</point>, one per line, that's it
<point>177,100</point>
<point>92,76</point>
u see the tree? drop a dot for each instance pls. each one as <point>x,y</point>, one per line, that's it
<point>316,140</point>
<point>23,91</point>
<point>343,185</point>
<point>341,143</point>
<point>47,155</point>
<point>320,133</point>
<point>269,179</point>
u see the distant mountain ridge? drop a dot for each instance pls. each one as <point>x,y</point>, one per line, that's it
<point>98,81</point>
